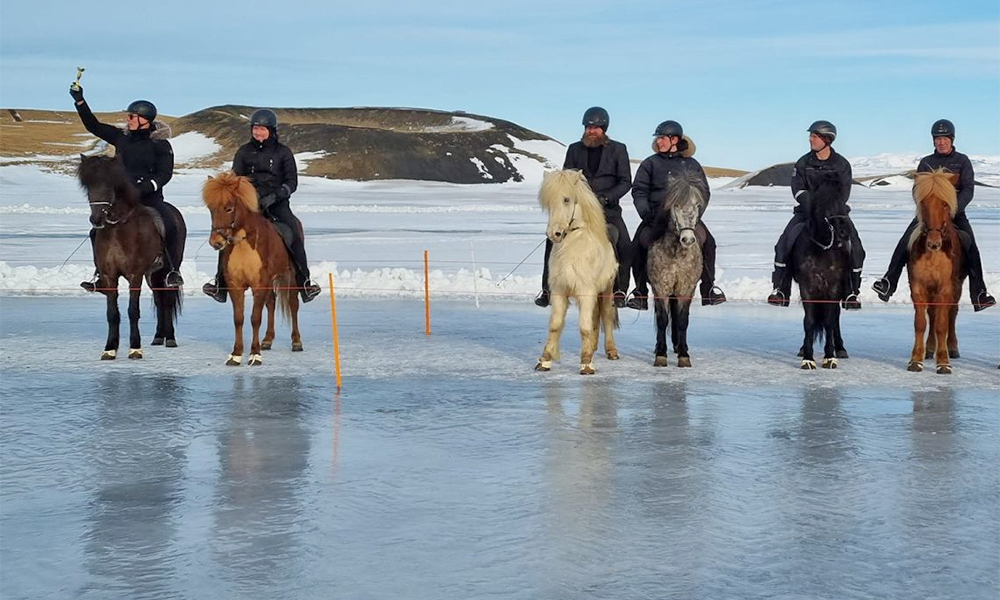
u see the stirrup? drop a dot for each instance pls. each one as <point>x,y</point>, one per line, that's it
<point>883,288</point>
<point>637,301</point>
<point>173,279</point>
<point>212,290</point>
<point>309,290</point>
<point>619,299</point>
<point>542,299</point>
<point>777,298</point>
<point>714,298</point>
<point>983,301</point>
<point>851,302</point>
<point>90,286</point>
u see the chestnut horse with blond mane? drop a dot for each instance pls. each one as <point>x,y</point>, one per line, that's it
<point>253,256</point>
<point>582,265</point>
<point>935,270</point>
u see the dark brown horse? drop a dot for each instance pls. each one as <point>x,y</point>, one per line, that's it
<point>253,256</point>
<point>128,242</point>
<point>935,270</point>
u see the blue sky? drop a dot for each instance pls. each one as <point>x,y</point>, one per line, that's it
<point>744,78</point>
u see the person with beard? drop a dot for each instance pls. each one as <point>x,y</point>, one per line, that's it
<point>944,157</point>
<point>148,159</point>
<point>674,153</point>
<point>270,166</point>
<point>820,163</point>
<point>605,164</point>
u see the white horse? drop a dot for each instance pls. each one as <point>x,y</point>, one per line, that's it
<point>582,265</point>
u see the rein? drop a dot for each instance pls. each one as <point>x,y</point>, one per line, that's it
<point>106,214</point>
<point>833,237</point>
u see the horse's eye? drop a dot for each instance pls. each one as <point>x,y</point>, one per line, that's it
<point>565,200</point>
<point>230,209</point>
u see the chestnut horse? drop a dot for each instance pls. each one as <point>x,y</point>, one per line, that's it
<point>128,242</point>
<point>253,256</point>
<point>582,266</point>
<point>935,270</point>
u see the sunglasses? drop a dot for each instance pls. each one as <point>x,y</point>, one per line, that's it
<point>131,116</point>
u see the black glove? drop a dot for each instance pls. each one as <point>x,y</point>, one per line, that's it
<point>266,201</point>
<point>282,193</point>
<point>144,185</point>
<point>76,92</point>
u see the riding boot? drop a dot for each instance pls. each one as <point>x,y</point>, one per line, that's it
<point>216,289</point>
<point>308,288</point>
<point>782,283</point>
<point>853,299</point>
<point>91,286</point>
<point>885,286</point>
<point>542,299</point>
<point>173,278</point>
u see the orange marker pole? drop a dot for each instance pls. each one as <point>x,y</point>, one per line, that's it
<point>336,338</point>
<point>427,293</point>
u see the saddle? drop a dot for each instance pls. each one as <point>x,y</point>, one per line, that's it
<point>161,227</point>
<point>285,231</point>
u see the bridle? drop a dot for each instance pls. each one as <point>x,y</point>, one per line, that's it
<point>107,213</point>
<point>569,225</point>
<point>231,237</point>
<point>833,236</point>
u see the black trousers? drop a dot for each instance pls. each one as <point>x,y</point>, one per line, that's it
<point>973,260</point>
<point>640,253</point>
<point>623,253</point>
<point>280,212</point>
<point>786,241</point>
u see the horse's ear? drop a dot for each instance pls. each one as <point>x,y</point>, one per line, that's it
<point>210,178</point>
<point>82,156</point>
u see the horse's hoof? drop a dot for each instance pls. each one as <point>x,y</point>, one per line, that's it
<point>234,360</point>
<point>612,354</point>
<point>915,367</point>
<point>135,353</point>
<point>255,360</point>
<point>660,361</point>
<point>954,353</point>
<point>171,343</point>
<point>296,346</point>
<point>587,369</point>
<point>157,341</point>
<point>265,345</point>
<point>684,362</point>
<point>842,354</point>
<point>829,363</point>
<point>944,369</point>
<point>544,365</point>
<point>808,365</point>
<point>109,355</point>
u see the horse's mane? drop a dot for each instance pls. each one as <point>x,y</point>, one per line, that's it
<point>936,183</point>
<point>557,185</point>
<point>106,170</point>
<point>681,186</point>
<point>220,188</point>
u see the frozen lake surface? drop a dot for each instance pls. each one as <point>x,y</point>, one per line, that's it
<point>447,468</point>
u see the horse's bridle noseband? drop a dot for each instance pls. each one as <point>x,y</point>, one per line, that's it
<point>231,238</point>
<point>106,218</point>
<point>833,236</point>
<point>569,226</point>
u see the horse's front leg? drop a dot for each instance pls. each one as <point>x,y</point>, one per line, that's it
<point>681,313</point>
<point>236,295</point>
<point>919,325</point>
<point>809,325</point>
<point>114,319</point>
<point>830,316</point>
<point>265,344</point>
<point>557,318</point>
<point>662,320</point>
<point>588,332</point>
<point>256,317</point>
<point>940,324</point>
<point>608,316</point>
<point>134,340</point>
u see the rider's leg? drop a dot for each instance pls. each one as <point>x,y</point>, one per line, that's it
<point>781,277</point>
<point>711,295</point>
<point>217,287</point>
<point>852,300</point>
<point>886,285</point>
<point>974,266</point>
<point>283,213</point>
<point>542,299</point>
<point>640,252</point>
<point>623,252</point>
<point>171,254</point>
<point>91,286</point>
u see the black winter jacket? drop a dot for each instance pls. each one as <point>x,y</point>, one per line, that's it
<point>958,163</point>
<point>809,171</point>
<point>650,186</point>
<point>269,165</point>
<point>148,162</point>
<point>613,177</point>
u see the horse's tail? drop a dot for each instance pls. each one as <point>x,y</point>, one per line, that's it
<point>285,291</point>
<point>606,306</point>
<point>172,301</point>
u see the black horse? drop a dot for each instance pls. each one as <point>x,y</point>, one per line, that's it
<point>820,263</point>
<point>128,242</point>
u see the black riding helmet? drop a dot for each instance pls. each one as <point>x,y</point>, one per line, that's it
<point>824,129</point>
<point>596,117</point>
<point>143,108</point>
<point>265,117</point>
<point>943,127</point>
<point>669,128</point>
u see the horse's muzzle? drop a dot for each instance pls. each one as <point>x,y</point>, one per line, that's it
<point>217,241</point>
<point>934,242</point>
<point>688,238</point>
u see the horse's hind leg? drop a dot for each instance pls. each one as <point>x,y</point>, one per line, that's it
<point>831,314</point>
<point>265,344</point>
<point>293,309</point>
<point>809,325</point>
<point>134,339</point>
<point>952,336</point>
<point>557,319</point>
<point>588,332</point>
<point>608,316</point>
<point>114,320</point>
<point>662,320</point>
<point>256,317</point>
<point>681,313</point>
<point>237,297</point>
<point>931,347</point>
<point>838,341</point>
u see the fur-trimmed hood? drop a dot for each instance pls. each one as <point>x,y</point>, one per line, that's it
<point>685,147</point>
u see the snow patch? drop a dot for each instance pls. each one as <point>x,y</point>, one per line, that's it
<point>460,125</point>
